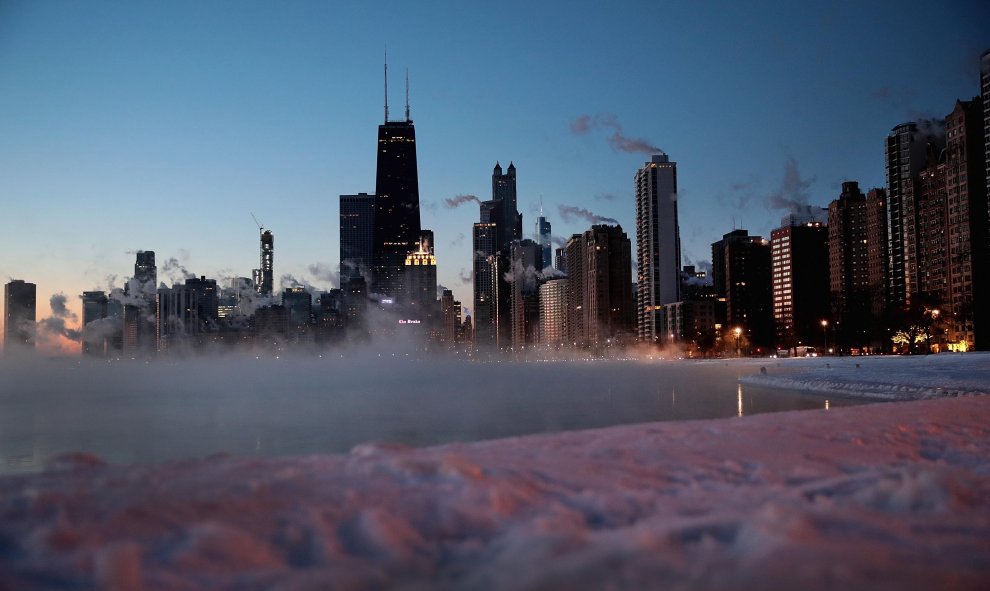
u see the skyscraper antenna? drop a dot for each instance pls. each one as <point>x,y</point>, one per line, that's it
<point>386,84</point>
<point>407,95</point>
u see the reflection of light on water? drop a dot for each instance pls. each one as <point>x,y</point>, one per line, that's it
<point>739,400</point>
<point>826,404</point>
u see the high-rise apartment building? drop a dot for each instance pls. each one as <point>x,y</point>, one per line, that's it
<point>799,258</point>
<point>607,277</point>
<point>741,273</point>
<point>906,149</point>
<point>485,243</point>
<point>969,224</point>
<point>20,304</point>
<point>658,243</point>
<point>553,313</point>
<point>450,318</point>
<point>575,290</point>
<point>357,235</point>
<point>857,267</point>
<point>985,98</point>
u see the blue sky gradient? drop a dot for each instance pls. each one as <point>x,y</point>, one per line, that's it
<point>162,125</point>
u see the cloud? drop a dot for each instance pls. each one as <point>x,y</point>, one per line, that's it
<point>606,197</point>
<point>569,213</point>
<point>619,141</point>
<point>458,200</point>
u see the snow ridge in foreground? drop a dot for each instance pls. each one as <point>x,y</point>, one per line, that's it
<point>869,497</point>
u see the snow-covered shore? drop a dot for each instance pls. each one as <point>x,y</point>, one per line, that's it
<point>889,496</point>
<point>887,378</point>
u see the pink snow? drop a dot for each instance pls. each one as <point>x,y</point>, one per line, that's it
<point>882,496</point>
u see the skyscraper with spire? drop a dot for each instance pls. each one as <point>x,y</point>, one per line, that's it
<point>543,239</point>
<point>397,223</point>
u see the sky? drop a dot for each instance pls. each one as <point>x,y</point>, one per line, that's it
<point>163,126</point>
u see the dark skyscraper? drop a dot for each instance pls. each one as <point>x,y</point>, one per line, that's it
<point>607,272</point>
<point>906,150</point>
<point>145,270</point>
<point>484,239</point>
<point>543,238</point>
<point>20,302</point>
<point>857,246</point>
<point>357,235</point>
<point>742,275</point>
<point>397,223</point>
<point>94,336</point>
<point>504,195</point>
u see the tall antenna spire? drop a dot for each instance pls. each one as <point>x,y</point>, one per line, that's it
<point>386,84</point>
<point>407,95</point>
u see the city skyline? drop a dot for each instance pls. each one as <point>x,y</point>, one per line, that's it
<point>96,167</point>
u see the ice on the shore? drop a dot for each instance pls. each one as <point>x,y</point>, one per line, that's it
<point>883,496</point>
<point>885,378</point>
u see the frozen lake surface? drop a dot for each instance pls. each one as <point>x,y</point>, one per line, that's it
<point>143,412</point>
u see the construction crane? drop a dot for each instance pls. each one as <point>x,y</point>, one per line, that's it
<point>260,227</point>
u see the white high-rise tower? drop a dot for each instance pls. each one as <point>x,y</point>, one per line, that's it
<point>658,244</point>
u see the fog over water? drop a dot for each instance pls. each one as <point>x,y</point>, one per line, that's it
<point>144,412</point>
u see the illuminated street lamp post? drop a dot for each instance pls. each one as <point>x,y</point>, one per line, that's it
<point>738,332</point>
<point>825,335</point>
<point>934,326</point>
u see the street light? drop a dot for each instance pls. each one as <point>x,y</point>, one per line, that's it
<point>738,332</point>
<point>825,334</point>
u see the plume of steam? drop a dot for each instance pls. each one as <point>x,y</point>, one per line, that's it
<point>606,197</point>
<point>569,213</point>
<point>288,280</point>
<point>54,325</point>
<point>458,241</point>
<point>325,273</point>
<point>558,241</point>
<point>176,271</point>
<point>527,274</point>
<point>793,194</point>
<point>458,200</point>
<point>549,273</point>
<point>466,276</point>
<point>617,139</point>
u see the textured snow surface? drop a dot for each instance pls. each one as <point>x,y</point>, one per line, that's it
<point>884,496</point>
<point>881,378</point>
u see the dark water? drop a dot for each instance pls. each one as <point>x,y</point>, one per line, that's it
<point>146,412</point>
